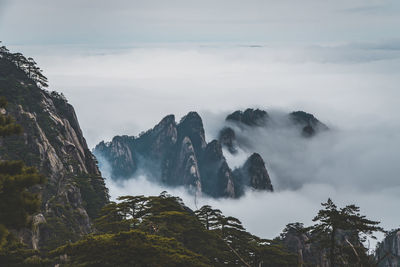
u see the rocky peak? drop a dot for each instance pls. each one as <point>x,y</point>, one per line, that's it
<point>257,173</point>
<point>309,124</point>
<point>119,154</point>
<point>249,117</point>
<point>191,126</point>
<point>253,174</point>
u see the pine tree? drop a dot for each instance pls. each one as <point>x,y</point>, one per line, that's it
<point>7,123</point>
<point>346,222</point>
<point>17,203</point>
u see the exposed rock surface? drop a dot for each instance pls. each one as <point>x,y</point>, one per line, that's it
<point>298,243</point>
<point>177,154</point>
<point>388,251</point>
<point>53,142</point>
<point>253,174</point>
<point>217,176</point>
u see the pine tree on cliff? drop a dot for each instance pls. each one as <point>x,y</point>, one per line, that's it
<point>348,223</point>
<point>16,202</point>
<point>27,65</point>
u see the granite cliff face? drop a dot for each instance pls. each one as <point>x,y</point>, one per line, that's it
<point>253,174</point>
<point>388,251</point>
<point>178,154</point>
<point>299,242</point>
<point>53,142</point>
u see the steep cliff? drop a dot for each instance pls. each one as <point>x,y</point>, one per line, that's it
<point>388,251</point>
<point>252,174</point>
<point>178,154</point>
<point>53,142</point>
<point>298,241</point>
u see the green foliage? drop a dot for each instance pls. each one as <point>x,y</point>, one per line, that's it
<point>26,65</point>
<point>15,254</point>
<point>222,240</point>
<point>7,123</point>
<point>131,248</point>
<point>341,232</point>
<point>90,186</point>
<point>16,202</point>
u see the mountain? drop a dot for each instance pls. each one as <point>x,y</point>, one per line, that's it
<point>308,123</point>
<point>249,117</point>
<point>52,141</point>
<point>303,123</point>
<point>178,154</point>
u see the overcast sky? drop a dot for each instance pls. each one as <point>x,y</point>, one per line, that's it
<point>126,64</point>
<point>119,22</point>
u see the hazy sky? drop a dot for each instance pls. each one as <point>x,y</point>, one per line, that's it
<point>119,22</point>
<point>125,64</point>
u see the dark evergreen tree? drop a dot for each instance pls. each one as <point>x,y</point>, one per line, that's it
<point>17,203</point>
<point>341,232</point>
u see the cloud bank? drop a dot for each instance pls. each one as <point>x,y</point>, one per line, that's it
<point>351,87</point>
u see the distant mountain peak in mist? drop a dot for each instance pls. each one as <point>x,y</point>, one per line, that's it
<point>305,123</point>
<point>177,154</point>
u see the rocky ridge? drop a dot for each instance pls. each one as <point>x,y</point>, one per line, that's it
<point>305,123</point>
<point>53,142</point>
<point>178,154</point>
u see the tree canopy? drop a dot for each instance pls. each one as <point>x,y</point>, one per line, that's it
<point>342,232</point>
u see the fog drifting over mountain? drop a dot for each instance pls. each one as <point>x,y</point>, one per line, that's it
<point>353,88</point>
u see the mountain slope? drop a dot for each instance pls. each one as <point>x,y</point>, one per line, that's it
<point>53,142</point>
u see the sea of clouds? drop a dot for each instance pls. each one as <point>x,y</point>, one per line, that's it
<point>353,88</point>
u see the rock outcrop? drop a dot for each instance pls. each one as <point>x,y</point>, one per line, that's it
<point>305,123</point>
<point>253,174</point>
<point>387,253</point>
<point>308,123</point>
<point>53,142</point>
<point>178,154</point>
<point>217,176</point>
<point>249,117</point>
<point>298,242</point>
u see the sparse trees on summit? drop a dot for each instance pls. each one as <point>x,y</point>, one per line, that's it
<point>27,65</point>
